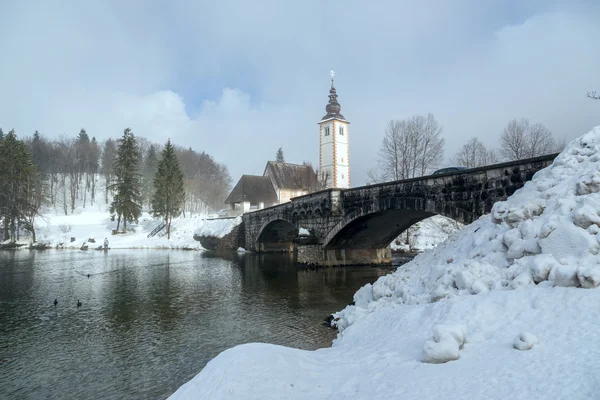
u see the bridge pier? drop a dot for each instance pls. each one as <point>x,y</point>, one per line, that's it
<point>315,254</point>
<point>275,247</point>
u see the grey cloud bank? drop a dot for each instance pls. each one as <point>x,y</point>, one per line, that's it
<point>474,64</point>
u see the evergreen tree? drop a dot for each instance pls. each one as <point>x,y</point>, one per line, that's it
<point>127,183</point>
<point>169,192</point>
<point>15,178</point>
<point>279,156</point>
<point>150,166</point>
<point>1,135</point>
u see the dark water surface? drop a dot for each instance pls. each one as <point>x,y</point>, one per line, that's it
<point>150,320</point>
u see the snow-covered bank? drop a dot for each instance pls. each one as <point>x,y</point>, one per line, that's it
<point>94,223</point>
<point>511,279</point>
<point>380,356</point>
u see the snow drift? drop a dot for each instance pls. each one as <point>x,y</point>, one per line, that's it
<point>451,323</point>
<point>547,233</point>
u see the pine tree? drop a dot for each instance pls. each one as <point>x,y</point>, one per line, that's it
<point>127,183</point>
<point>279,156</point>
<point>150,166</point>
<point>15,177</point>
<point>169,193</point>
<point>1,135</point>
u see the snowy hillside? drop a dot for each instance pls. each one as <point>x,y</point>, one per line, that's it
<point>504,309</point>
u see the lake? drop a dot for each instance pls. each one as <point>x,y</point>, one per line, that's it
<point>150,320</point>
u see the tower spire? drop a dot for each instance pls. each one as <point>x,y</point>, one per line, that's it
<point>332,108</point>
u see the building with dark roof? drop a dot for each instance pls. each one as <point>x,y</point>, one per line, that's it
<point>252,192</point>
<point>279,183</point>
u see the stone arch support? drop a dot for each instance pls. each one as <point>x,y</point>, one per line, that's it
<point>276,234</point>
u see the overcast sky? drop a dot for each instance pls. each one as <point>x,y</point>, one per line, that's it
<point>239,79</point>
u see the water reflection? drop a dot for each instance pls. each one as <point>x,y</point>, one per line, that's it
<point>151,320</point>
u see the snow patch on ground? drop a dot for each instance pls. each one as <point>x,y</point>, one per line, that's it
<point>519,270</point>
<point>94,223</point>
<point>217,227</point>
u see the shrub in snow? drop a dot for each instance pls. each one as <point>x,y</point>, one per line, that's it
<point>446,344</point>
<point>525,341</point>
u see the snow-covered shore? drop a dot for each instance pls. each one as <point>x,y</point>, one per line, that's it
<point>524,276</point>
<point>94,223</point>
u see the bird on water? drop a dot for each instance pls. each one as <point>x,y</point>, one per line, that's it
<point>55,302</point>
<point>78,303</point>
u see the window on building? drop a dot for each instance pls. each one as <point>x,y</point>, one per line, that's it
<point>327,131</point>
<point>341,130</point>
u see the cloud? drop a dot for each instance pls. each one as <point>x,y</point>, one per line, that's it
<point>239,80</point>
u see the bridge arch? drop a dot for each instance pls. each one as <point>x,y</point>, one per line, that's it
<point>377,225</point>
<point>276,234</point>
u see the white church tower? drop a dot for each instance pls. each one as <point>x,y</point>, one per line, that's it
<point>334,155</point>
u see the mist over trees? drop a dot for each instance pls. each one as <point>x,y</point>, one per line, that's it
<point>69,171</point>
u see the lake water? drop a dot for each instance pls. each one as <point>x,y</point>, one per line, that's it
<point>150,320</point>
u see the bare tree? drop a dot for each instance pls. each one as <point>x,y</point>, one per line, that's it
<point>390,153</point>
<point>374,176</point>
<point>522,140</point>
<point>431,148</point>
<point>323,177</point>
<point>593,95</point>
<point>409,148</point>
<point>474,154</point>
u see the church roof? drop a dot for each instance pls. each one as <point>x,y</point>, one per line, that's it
<point>292,176</point>
<point>254,189</point>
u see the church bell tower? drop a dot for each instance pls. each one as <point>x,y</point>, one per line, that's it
<point>334,155</point>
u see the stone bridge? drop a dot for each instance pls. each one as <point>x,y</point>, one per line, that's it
<point>356,226</point>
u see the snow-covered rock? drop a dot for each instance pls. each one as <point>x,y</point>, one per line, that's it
<point>446,344</point>
<point>525,341</point>
<point>438,352</point>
